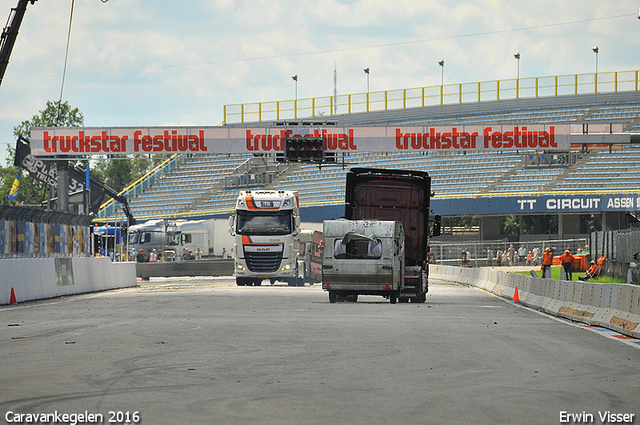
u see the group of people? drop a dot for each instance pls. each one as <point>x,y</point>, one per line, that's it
<point>141,257</point>
<point>513,257</point>
<point>522,257</point>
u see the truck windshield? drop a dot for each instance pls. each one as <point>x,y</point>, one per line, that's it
<point>261,223</point>
<point>133,237</point>
<point>173,239</point>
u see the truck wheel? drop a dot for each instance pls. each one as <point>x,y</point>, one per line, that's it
<point>257,282</point>
<point>241,281</point>
<point>393,297</point>
<point>421,298</point>
<point>332,296</point>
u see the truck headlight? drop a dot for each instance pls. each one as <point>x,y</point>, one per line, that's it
<point>241,267</point>
<point>286,267</point>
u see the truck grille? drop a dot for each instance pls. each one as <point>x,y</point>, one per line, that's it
<point>263,261</point>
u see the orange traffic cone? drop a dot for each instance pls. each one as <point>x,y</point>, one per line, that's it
<point>516,297</point>
<point>12,299</point>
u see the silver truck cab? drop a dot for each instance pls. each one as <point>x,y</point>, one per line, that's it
<point>363,257</point>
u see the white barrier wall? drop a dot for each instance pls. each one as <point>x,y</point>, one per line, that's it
<point>39,278</point>
<point>614,306</point>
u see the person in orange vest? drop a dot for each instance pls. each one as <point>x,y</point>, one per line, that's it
<point>567,264</point>
<point>592,272</point>
<point>547,260</point>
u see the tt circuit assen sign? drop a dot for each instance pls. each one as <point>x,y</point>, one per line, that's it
<point>547,204</point>
<point>221,140</point>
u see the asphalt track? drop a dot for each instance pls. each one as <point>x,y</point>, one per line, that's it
<point>204,351</point>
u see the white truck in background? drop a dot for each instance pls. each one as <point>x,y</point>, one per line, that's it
<point>172,237</point>
<point>265,224</point>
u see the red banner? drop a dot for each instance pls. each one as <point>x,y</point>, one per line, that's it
<point>221,140</point>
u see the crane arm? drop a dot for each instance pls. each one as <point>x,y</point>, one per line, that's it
<point>10,34</point>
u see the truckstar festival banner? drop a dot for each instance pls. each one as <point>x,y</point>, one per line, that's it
<point>67,141</point>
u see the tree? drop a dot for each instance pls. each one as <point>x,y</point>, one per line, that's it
<point>32,191</point>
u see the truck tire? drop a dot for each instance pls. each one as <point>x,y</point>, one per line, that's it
<point>243,281</point>
<point>333,296</point>
<point>421,298</point>
<point>394,297</point>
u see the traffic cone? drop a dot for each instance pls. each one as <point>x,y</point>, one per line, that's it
<point>516,297</point>
<point>12,299</point>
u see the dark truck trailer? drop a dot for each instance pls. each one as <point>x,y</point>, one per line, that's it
<point>397,195</point>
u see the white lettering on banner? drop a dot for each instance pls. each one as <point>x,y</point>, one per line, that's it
<point>531,203</point>
<point>620,203</point>
<point>573,203</point>
<point>215,140</point>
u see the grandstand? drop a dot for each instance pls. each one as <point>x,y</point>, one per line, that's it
<point>206,186</point>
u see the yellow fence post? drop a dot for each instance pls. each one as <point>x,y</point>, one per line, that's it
<point>479,91</point>
<point>460,93</point>
<point>404,99</point>
<point>260,111</point>
<point>575,91</point>
<point>386,100</point>
<point>242,113</point>
<point>349,100</point>
<point>536,86</point>
<point>278,110</point>
<point>224,114</point>
<point>556,84</point>
<point>498,90</point>
<point>423,99</point>
<point>367,101</point>
<point>595,82</point>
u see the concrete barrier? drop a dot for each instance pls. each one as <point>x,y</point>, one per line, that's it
<point>40,278</point>
<point>218,267</point>
<point>610,305</point>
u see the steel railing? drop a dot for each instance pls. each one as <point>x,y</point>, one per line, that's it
<point>514,88</point>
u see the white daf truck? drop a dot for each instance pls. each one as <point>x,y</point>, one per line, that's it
<point>264,224</point>
<point>363,257</point>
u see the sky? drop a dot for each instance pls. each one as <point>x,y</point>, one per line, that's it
<point>170,63</point>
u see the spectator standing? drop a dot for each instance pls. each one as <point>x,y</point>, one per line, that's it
<point>141,258</point>
<point>522,255</point>
<point>499,257</point>
<point>489,257</point>
<point>547,260</point>
<point>512,254</point>
<point>567,264</point>
<point>536,256</point>
<point>198,254</point>
<point>153,257</point>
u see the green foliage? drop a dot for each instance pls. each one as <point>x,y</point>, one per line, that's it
<point>32,192</point>
<point>509,225</point>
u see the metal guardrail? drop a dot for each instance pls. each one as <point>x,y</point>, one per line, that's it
<point>513,88</point>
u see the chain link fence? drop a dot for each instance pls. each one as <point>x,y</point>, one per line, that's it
<point>476,254</point>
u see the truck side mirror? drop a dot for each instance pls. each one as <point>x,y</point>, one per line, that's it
<point>296,223</point>
<point>232,225</point>
<point>437,225</point>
